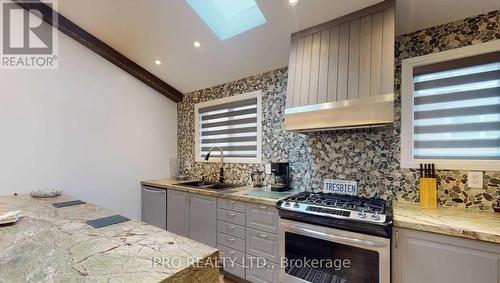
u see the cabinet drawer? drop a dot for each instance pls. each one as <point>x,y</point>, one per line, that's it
<point>230,255</point>
<point>262,244</point>
<point>269,273</point>
<point>229,204</point>
<point>235,269</point>
<point>231,242</point>
<point>231,229</point>
<point>231,216</point>
<point>262,217</point>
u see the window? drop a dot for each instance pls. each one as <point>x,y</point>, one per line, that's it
<point>228,18</point>
<point>451,108</point>
<point>231,123</point>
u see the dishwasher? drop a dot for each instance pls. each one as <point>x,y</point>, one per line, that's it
<point>154,206</point>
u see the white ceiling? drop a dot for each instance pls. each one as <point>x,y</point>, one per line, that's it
<point>146,30</point>
<point>413,15</point>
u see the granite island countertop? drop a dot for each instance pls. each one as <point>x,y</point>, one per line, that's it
<point>453,221</point>
<point>244,193</point>
<point>56,245</point>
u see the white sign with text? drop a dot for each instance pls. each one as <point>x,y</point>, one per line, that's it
<point>340,187</point>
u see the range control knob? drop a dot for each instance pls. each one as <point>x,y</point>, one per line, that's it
<point>362,214</point>
<point>287,204</point>
<point>296,205</point>
<point>375,216</point>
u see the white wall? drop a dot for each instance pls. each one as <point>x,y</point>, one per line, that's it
<point>88,128</point>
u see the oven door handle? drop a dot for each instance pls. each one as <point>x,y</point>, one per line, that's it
<point>361,242</point>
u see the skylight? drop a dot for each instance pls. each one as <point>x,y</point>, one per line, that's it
<point>227,18</point>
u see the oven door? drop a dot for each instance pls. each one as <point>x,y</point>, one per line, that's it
<point>312,253</point>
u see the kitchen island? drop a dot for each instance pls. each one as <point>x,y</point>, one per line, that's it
<point>56,245</point>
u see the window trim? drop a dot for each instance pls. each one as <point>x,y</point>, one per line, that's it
<point>237,97</point>
<point>407,160</point>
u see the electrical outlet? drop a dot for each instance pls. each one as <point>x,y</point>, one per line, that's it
<point>475,179</point>
<point>268,168</point>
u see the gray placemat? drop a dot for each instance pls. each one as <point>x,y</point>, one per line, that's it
<point>68,203</point>
<point>106,221</point>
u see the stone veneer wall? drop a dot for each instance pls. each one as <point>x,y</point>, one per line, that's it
<point>370,157</point>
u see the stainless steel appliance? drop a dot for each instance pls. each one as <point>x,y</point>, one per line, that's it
<point>154,206</point>
<point>348,237</point>
<point>280,176</point>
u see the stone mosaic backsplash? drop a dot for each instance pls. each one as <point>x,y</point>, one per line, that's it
<point>452,185</point>
<point>370,157</point>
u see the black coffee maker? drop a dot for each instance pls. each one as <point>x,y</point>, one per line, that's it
<point>280,177</point>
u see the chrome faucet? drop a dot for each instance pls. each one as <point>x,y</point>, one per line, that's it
<point>221,172</point>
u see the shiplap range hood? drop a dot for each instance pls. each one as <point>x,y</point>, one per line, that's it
<point>341,73</point>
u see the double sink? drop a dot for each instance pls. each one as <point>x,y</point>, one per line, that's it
<point>207,185</point>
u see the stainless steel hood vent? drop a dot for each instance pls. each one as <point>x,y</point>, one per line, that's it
<point>368,112</point>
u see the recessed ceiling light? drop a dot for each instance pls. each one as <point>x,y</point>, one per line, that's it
<point>196,44</point>
<point>157,62</point>
<point>293,2</point>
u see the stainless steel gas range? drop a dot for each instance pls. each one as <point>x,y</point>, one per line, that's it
<point>334,238</point>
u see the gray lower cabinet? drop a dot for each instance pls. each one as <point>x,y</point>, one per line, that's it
<point>262,244</point>
<point>263,273</point>
<point>193,216</point>
<point>231,229</point>
<point>231,256</point>
<point>178,212</point>
<point>154,206</point>
<point>262,217</point>
<point>433,258</point>
<point>203,219</point>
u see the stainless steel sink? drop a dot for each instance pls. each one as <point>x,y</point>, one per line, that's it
<point>196,184</point>
<point>206,185</point>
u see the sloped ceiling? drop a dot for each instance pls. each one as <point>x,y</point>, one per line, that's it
<point>149,30</point>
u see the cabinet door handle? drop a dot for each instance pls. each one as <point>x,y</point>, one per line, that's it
<point>263,207</point>
<point>231,240</point>
<point>231,227</point>
<point>264,236</point>
<point>396,236</point>
<point>231,202</point>
<point>231,214</point>
<point>231,252</point>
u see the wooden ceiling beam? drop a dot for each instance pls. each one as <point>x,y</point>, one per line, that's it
<point>93,43</point>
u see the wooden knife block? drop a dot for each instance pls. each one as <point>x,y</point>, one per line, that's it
<point>428,193</point>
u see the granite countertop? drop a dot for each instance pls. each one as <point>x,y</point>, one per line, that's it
<point>460,222</point>
<point>56,245</point>
<point>245,193</point>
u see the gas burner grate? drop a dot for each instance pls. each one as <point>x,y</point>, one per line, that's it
<point>340,201</point>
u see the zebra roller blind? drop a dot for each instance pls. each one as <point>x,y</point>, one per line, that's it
<point>456,109</point>
<point>232,124</point>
